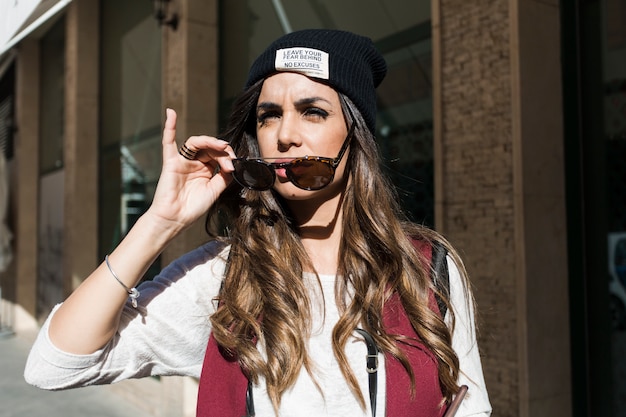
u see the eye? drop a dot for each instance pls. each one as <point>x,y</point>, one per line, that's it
<point>266,116</point>
<point>315,112</point>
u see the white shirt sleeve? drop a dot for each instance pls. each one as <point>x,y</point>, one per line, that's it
<point>476,402</point>
<point>166,334</point>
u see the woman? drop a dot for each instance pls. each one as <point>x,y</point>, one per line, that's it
<point>316,261</point>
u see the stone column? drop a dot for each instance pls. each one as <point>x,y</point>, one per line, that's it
<point>541,233</point>
<point>80,243</point>
<point>190,77</point>
<point>190,86</point>
<point>500,190</point>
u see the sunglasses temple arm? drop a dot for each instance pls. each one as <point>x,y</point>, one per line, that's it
<point>344,147</point>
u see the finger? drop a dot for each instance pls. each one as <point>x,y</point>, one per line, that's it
<point>220,181</point>
<point>207,149</point>
<point>223,155</point>
<point>169,131</point>
<point>206,143</point>
<point>226,163</point>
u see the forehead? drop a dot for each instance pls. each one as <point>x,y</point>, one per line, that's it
<point>290,87</point>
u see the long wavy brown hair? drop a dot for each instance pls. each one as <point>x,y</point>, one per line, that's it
<point>264,299</point>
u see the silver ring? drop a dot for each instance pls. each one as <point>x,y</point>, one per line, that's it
<point>187,153</point>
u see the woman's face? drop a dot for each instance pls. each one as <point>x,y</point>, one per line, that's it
<point>298,117</point>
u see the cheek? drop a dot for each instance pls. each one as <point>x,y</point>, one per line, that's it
<point>342,170</point>
<point>266,146</point>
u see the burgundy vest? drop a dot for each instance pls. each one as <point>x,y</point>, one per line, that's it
<point>223,385</point>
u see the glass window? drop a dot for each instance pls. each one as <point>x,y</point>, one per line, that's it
<point>130,148</point>
<point>7,111</point>
<point>52,175</point>
<point>614,80</point>
<point>52,111</point>
<point>405,119</point>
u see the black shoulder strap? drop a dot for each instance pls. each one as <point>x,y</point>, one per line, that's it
<point>372,367</point>
<point>249,401</point>
<point>440,275</point>
<point>441,280</point>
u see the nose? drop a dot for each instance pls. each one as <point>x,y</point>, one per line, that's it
<point>288,134</point>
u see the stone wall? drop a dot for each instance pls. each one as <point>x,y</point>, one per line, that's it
<point>500,190</point>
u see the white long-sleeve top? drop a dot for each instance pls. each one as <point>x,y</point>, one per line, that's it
<point>167,334</point>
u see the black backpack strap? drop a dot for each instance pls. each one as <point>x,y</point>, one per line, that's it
<point>440,276</point>
<point>249,401</point>
<point>372,367</point>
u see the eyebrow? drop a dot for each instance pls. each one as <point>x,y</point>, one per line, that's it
<point>268,105</point>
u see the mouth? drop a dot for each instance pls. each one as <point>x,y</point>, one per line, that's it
<point>281,173</point>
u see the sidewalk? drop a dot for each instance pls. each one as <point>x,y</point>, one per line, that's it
<point>18,399</point>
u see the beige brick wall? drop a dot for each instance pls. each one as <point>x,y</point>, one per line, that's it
<point>475,206</point>
<point>499,190</point>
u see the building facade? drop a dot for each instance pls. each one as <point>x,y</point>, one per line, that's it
<point>501,122</point>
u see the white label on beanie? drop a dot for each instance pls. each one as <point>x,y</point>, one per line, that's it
<point>307,61</point>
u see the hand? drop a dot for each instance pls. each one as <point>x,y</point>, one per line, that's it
<point>188,188</point>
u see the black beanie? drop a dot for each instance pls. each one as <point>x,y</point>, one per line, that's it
<point>345,61</point>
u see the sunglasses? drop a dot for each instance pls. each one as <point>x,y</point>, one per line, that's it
<point>307,173</point>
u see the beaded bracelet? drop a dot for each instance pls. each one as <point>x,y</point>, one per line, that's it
<point>132,292</point>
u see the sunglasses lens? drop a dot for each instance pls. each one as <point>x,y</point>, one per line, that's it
<point>310,174</point>
<point>253,174</point>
